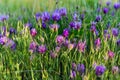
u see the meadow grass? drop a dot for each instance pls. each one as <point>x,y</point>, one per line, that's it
<point>22,64</point>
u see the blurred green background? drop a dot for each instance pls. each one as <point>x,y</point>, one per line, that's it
<point>28,8</point>
<point>42,5</point>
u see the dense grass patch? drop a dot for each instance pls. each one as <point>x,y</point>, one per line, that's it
<point>64,40</point>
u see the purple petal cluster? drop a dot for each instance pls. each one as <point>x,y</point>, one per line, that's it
<point>74,66</point>
<point>44,25</point>
<point>110,54</point>
<point>32,46</point>
<point>28,25</point>
<point>4,18</point>
<point>45,16</point>
<point>115,32</point>
<point>97,43</point>
<point>108,3</point>
<point>63,12</point>
<point>98,18</point>
<point>12,30</point>
<point>56,15</point>
<point>105,10</point>
<point>7,42</point>
<point>81,46</point>
<point>100,70</point>
<point>75,17</point>
<point>65,32</point>
<point>75,25</point>
<point>81,69</point>
<point>93,28</point>
<point>33,32</point>
<point>116,6</point>
<point>10,43</point>
<point>60,39</point>
<point>41,49</point>
<point>38,16</point>
<point>72,74</point>
<point>106,35</point>
<point>3,40</point>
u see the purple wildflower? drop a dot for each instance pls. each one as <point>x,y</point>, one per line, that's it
<point>82,16</point>
<point>32,46</point>
<point>72,74</point>
<point>60,39</point>
<point>105,31</point>
<point>65,33</point>
<point>116,6</point>
<point>33,32</point>
<point>81,46</point>
<point>38,16</point>
<point>75,17</point>
<point>13,46</point>
<point>12,30</point>
<point>66,43</point>
<point>106,34</point>
<point>99,70</point>
<point>93,29</point>
<point>108,3</point>
<point>93,23</point>
<point>72,24</point>
<point>97,43</point>
<point>81,69</point>
<point>74,66</point>
<point>45,16</point>
<point>56,15</point>
<point>28,25</point>
<point>3,18</point>
<point>44,25</point>
<point>110,54</point>
<point>42,49</point>
<point>10,43</point>
<point>98,18</point>
<point>105,10</point>
<point>63,12</point>
<point>77,25</point>
<point>3,40</point>
<point>97,33</point>
<point>115,32</point>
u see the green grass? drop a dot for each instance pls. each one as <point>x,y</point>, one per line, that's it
<point>18,64</point>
